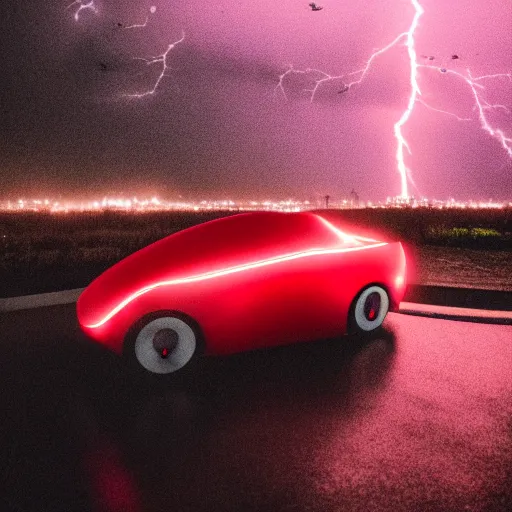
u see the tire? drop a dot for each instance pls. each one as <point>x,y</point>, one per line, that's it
<point>165,344</point>
<point>369,310</point>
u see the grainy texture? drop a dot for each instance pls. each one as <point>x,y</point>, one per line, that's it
<point>464,268</point>
<point>416,419</point>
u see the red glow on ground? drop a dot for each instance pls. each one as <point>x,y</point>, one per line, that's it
<point>113,485</point>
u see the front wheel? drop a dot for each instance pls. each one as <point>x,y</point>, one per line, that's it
<point>165,344</point>
<point>369,310</point>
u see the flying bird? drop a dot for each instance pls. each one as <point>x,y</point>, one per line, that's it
<point>315,7</point>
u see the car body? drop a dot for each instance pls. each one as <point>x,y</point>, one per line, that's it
<point>246,281</point>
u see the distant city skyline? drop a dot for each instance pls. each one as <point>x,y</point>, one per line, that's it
<point>142,204</point>
<point>257,99</point>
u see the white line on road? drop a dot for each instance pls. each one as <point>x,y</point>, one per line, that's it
<point>70,296</point>
<point>40,300</point>
<point>413,308</point>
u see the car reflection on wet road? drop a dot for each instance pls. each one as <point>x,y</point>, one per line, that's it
<point>417,418</point>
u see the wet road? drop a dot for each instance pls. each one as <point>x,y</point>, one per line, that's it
<point>419,418</point>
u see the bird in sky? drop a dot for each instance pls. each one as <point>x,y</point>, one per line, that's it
<point>315,7</point>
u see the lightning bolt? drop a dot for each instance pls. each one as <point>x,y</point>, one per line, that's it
<point>415,92</point>
<point>430,107</point>
<point>360,75</point>
<point>320,78</point>
<point>152,10</point>
<point>354,78</point>
<point>159,59</point>
<point>323,77</point>
<point>81,6</point>
<point>482,105</point>
<point>138,25</point>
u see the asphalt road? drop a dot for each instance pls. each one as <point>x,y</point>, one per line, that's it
<point>419,418</point>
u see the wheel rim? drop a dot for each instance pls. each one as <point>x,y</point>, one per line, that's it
<point>165,345</point>
<point>371,308</point>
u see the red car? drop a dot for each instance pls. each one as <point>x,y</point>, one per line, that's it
<point>242,282</point>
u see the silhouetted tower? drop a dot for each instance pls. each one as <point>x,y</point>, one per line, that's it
<point>327,197</point>
<point>354,198</point>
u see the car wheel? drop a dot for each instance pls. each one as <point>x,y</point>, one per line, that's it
<point>165,344</point>
<point>369,310</point>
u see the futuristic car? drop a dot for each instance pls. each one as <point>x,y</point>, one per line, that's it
<point>241,282</point>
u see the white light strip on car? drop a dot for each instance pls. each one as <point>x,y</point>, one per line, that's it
<point>227,271</point>
<point>344,236</point>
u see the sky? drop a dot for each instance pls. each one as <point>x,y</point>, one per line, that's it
<point>234,115</point>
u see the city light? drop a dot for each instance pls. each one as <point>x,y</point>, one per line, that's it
<point>156,204</point>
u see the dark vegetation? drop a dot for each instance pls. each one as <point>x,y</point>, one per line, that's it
<point>45,252</point>
<point>471,229</point>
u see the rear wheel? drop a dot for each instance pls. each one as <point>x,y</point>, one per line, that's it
<point>164,344</point>
<point>369,310</point>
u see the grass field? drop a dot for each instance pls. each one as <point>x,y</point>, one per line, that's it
<point>44,252</point>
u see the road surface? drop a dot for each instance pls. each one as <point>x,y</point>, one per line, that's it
<point>419,418</point>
